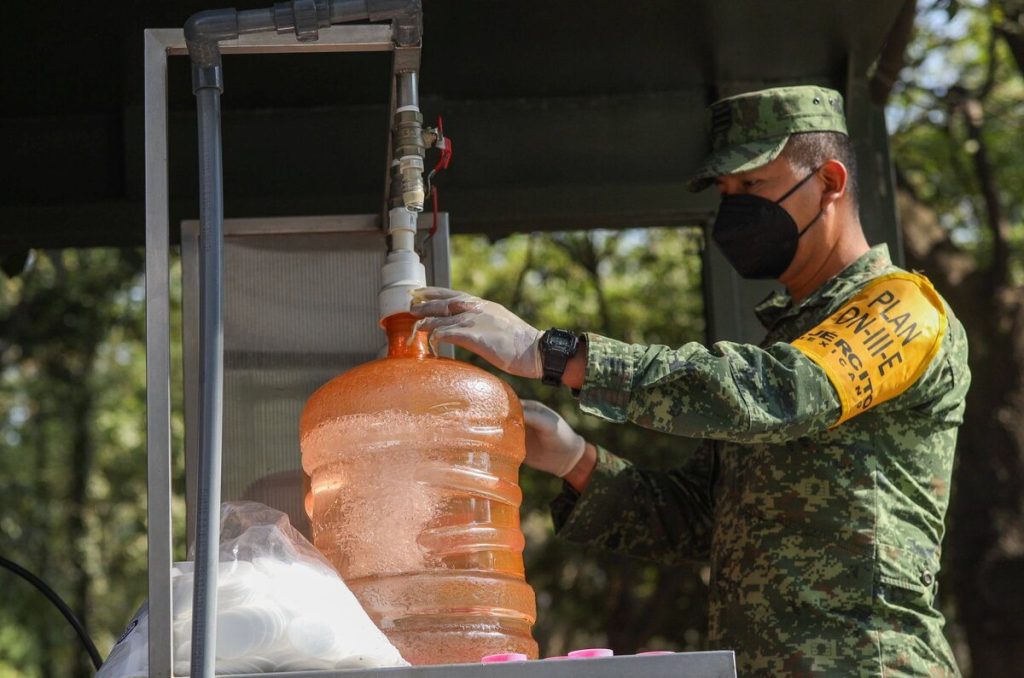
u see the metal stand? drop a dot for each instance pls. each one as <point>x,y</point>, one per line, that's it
<point>159,45</point>
<point>720,664</point>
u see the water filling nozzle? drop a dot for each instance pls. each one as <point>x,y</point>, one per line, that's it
<point>403,272</point>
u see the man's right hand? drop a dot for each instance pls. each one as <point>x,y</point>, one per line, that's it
<point>490,330</point>
<point>551,444</point>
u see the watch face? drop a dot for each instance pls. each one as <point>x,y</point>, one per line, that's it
<point>559,342</point>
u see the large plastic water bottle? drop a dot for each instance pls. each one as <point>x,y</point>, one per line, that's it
<point>414,464</point>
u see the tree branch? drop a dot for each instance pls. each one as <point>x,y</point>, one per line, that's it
<point>893,56</point>
<point>956,163</point>
<point>973,112</point>
<point>1011,29</point>
<point>585,255</point>
<point>517,291</point>
<point>990,70</point>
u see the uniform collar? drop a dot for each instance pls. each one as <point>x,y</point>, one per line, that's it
<point>869,265</point>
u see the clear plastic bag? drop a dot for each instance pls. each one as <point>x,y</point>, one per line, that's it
<point>281,607</point>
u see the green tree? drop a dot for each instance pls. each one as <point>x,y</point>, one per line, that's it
<point>958,112</point>
<point>72,381</point>
<point>72,453</point>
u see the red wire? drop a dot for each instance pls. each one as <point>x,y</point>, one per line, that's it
<point>442,164</point>
<point>433,228</point>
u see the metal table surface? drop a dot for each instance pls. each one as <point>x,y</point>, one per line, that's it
<point>718,664</point>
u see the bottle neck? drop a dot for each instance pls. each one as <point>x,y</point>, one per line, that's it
<point>399,329</point>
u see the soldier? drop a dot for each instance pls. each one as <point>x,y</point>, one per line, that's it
<point>821,485</point>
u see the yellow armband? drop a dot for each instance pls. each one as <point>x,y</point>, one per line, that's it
<point>880,342</point>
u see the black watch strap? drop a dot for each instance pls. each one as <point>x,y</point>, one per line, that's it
<point>557,347</point>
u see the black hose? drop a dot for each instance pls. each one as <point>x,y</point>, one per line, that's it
<point>83,635</point>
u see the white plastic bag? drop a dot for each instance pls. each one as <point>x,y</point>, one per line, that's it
<point>281,607</point>
<point>129,658</point>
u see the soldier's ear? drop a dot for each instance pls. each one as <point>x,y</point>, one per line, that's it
<point>834,175</point>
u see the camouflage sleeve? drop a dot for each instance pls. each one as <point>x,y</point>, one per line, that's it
<point>735,392</point>
<point>664,516</point>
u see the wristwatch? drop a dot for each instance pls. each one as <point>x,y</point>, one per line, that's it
<point>556,348</point>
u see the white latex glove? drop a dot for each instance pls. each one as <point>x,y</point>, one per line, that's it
<point>551,444</point>
<point>488,329</point>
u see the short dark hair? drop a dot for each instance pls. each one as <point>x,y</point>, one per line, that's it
<point>807,151</point>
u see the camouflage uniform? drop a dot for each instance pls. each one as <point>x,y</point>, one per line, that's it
<point>824,539</point>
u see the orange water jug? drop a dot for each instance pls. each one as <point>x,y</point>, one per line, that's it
<point>414,463</point>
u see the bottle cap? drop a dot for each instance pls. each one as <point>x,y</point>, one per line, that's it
<point>591,653</point>
<point>504,657</point>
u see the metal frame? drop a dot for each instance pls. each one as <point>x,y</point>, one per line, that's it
<point>159,44</point>
<point>713,664</point>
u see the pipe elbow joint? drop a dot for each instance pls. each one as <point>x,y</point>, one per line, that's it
<point>212,24</point>
<point>203,30</point>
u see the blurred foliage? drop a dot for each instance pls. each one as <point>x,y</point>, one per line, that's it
<point>72,374</point>
<point>957,56</point>
<point>956,117</point>
<point>637,286</point>
<point>72,454</point>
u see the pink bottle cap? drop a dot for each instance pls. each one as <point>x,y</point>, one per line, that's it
<point>591,653</point>
<point>504,657</point>
<point>650,652</point>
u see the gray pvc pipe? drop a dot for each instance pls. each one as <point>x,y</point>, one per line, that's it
<point>211,219</point>
<point>255,21</point>
<point>343,11</point>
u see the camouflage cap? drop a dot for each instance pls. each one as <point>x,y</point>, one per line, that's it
<point>750,130</point>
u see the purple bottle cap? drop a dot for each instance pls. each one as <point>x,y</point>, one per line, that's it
<point>591,653</point>
<point>504,657</point>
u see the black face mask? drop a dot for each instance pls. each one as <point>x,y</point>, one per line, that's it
<point>758,236</point>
